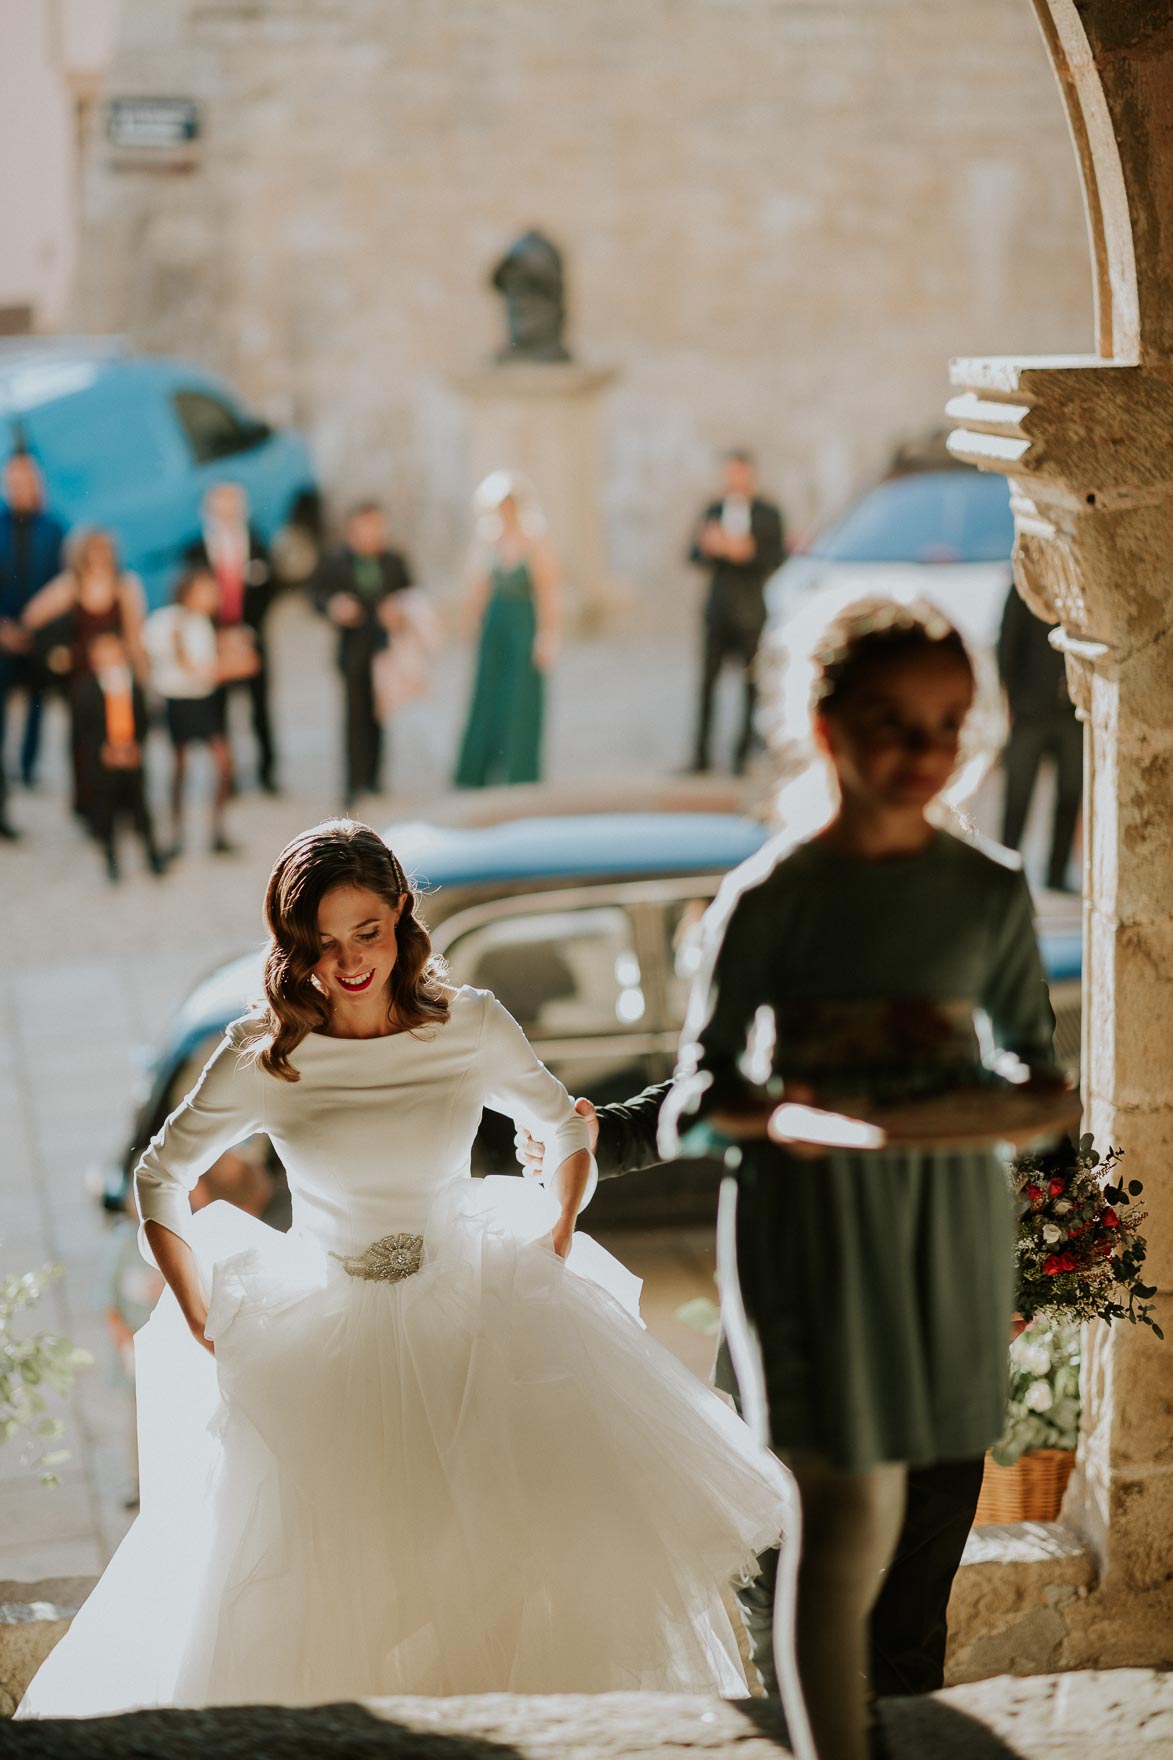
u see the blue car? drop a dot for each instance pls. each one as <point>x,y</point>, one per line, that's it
<point>131,443</point>
<point>586,927</point>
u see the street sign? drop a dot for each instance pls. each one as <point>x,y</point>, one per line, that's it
<point>152,122</point>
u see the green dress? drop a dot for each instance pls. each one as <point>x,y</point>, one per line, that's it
<point>881,1285</point>
<point>503,736</point>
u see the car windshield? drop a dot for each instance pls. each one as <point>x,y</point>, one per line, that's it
<point>213,429</point>
<point>932,516</point>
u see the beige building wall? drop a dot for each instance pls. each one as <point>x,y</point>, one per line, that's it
<point>52,57</point>
<point>780,219</point>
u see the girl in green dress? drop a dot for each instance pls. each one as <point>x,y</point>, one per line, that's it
<point>890,971</point>
<point>516,598</point>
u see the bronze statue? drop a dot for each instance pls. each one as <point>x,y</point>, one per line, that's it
<point>530,277</point>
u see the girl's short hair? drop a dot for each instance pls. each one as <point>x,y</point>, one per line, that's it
<point>197,572</point>
<point>879,632</point>
<point>339,852</point>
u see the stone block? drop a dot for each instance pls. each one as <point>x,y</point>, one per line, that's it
<point>1139,1558</point>
<point>33,1618</point>
<point>1007,1613</point>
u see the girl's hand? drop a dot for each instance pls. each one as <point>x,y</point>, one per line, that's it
<point>562,1234</point>
<point>545,650</point>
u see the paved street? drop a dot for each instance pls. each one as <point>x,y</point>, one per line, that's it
<point>89,972</point>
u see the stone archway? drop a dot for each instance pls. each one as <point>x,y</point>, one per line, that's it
<point>1087,443</point>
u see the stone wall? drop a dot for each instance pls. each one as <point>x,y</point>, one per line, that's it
<point>780,220</point>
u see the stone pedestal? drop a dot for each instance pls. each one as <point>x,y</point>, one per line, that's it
<point>543,419</point>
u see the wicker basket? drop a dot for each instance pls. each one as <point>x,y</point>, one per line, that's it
<point>1029,1491</point>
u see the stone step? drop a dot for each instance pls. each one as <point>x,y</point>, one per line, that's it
<point>1116,1714</point>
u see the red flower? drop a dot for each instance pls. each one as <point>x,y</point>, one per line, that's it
<point>1105,1249</point>
<point>1057,1187</point>
<point>1110,1219</point>
<point>1067,1261</point>
<point>1051,1267</point>
<point>1034,1193</point>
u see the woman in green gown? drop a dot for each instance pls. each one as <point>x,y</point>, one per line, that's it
<point>517,599</point>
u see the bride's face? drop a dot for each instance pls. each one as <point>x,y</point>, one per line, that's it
<point>356,930</point>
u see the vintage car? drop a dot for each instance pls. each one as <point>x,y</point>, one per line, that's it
<point>585,926</point>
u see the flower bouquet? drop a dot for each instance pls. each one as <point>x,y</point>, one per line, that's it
<point>1079,1250</point>
<point>1079,1256</point>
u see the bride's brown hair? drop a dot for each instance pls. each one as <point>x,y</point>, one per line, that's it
<point>339,852</point>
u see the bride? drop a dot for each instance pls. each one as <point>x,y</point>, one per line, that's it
<point>422,1443</point>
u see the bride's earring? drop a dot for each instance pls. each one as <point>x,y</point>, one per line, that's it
<point>317,983</point>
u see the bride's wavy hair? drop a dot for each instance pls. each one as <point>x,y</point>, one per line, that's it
<point>339,852</point>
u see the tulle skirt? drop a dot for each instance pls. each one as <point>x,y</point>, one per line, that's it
<point>485,1477</point>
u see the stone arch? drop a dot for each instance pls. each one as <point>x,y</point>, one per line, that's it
<point>1114,281</point>
<point>1085,443</point>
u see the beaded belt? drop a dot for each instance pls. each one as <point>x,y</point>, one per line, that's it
<point>385,1261</point>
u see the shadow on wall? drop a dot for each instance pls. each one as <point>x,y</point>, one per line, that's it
<point>343,1732</point>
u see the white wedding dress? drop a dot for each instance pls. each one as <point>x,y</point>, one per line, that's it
<point>478,1475</point>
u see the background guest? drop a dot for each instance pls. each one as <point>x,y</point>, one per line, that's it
<point>188,673</point>
<point>30,555</point>
<point>237,557</point>
<point>516,599</point>
<point>31,544</point>
<point>741,542</point>
<point>111,720</point>
<point>93,596</point>
<point>356,589</point>
<point>1042,725</point>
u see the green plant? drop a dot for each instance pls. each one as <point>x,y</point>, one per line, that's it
<point>30,1368</point>
<point>1043,1409</point>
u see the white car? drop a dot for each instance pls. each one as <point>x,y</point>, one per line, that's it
<point>945,535</point>
<point>941,535</point>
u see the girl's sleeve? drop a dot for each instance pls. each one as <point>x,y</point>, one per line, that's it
<point>729,988</point>
<point>221,1110</point>
<point>1016,998</point>
<point>516,1082</point>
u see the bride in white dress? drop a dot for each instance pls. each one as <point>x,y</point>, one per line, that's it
<point>427,1446</point>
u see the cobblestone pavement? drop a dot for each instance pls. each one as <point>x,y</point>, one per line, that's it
<point>90,971</point>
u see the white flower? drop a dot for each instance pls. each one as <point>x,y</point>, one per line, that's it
<point>1038,1397</point>
<point>1051,1233</point>
<point>1061,1206</point>
<point>1035,1359</point>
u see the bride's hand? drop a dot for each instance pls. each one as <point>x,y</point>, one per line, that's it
<point>562,1234</point>
<point>196,1324</point>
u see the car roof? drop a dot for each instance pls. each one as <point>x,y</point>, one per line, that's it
<point>36,375</point>
<point>583,845</point>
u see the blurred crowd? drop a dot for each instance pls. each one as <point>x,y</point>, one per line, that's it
<point>74,620</point>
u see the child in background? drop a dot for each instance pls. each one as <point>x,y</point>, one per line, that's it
<point>897,968</point>
<point>188,672</point>
<point>111,730</point>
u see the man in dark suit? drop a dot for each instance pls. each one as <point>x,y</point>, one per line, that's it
<point>741,541</point>
<point>31,542</point>
<point>908,1623</point>
<point>356,588</point>
<point>235,554</point>
<point>1042,725</point>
